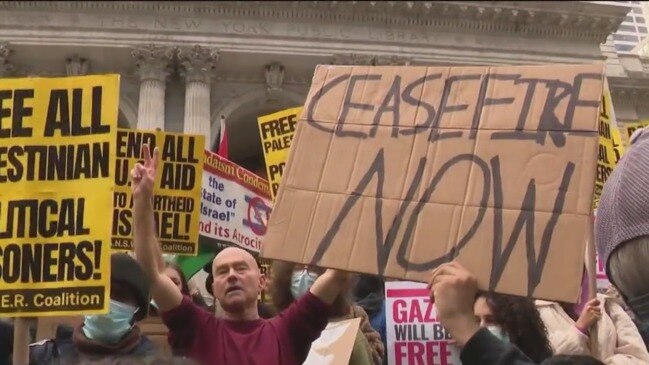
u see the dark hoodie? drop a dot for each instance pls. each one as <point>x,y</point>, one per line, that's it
<point>72,347</point>
<point>369,293</point>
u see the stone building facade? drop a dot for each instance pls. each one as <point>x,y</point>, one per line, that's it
<point>185,65</point>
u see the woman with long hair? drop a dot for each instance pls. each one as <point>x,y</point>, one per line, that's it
<point>515,320</point>
<point>291,281</point>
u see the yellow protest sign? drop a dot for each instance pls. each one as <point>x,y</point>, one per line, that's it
<point>277,132</point>
<point>629,128</point>
<point>610,148</point>
<point>57,155</point>
<point>177,194</point>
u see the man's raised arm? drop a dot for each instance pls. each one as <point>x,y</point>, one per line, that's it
<point>453,289</point>
<point>329,285</point>
<point>145,243</point>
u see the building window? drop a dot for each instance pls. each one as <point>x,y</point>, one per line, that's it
<point>639,19</point>
<point>628,19</point>
<point>636,10</point>
<point>642,30</point>
<point>624,47</point>
<point>625,38</point>
<point>626,28</point>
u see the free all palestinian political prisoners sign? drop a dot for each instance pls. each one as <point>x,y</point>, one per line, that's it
<point>57,159</point>
<point>396,170</point>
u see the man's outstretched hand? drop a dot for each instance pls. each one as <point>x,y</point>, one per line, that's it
<point>454,289</point>
<point>143,176</point>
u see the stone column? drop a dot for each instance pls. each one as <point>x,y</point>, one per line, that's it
<point>153,67</point>
<point>197,68</point>
<point>5,66</point>
<point>76,66</point>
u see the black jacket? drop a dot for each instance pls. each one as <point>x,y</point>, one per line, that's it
<point>61,350</point>
<point>486,349</point>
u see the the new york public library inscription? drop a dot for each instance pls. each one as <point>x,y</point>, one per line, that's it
<point>213,25</point>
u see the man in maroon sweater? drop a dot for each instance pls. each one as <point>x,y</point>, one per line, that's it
<point>240,337</point>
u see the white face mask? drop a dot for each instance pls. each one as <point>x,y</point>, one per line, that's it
<point>499,333</point>
<point>301,282</point>
<point>110,327</point>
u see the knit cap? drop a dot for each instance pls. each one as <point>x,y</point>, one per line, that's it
<point>623,212</point>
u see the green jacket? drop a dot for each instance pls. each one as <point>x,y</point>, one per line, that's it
<point>361,353</point>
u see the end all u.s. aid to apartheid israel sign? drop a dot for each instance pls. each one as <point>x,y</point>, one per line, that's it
<point>177,189</point>
<point>57,159</point>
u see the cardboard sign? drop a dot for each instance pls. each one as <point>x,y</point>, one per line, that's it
<point>176,192</point>
<point>57,154</point>
<point>235,204</point>
<point>335,344</point>
<point>610,148</point>
<point>395,170</point>
<point>277,132</point>
<point>414,335</point>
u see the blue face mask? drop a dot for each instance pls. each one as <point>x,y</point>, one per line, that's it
<point>499,333</point>
<point>111,327</point>
<point>301,282</point>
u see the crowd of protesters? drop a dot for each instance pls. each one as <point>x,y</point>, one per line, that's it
<point>487,328</point>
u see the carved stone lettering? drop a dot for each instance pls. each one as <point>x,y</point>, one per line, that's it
<point>175,23</point>
<point>241,27</point>
<point>151,24</point>
<point>318,31</point>
<point>38,19</point>
<point>120,21</point>
<point>214,26</point>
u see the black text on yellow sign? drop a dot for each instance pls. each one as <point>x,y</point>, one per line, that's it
<point>177,190</point>
<point>610,147</point>
<point>277,131</point>
<point>632,127</point>
<point>57,139</point>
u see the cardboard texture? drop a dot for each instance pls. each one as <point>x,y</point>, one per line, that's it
<point>396,170</point>
<point>335,344</point>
